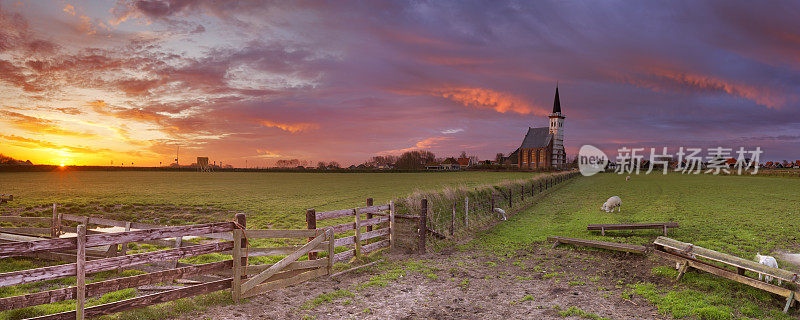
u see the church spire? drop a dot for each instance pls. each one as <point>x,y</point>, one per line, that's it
<point>557,103</point>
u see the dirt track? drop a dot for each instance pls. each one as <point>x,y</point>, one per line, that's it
<point>467,285</point>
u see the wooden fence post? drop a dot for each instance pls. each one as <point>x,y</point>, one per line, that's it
<point>453,221</point>
<point>494,195</point>
<point>522,192</point>
<point>358,233</point>
<point>369,214</point>
<point>331,251</point>
<point>125,245</point>
<point>423,225</point>
<point>178,241</point>
<point>392,227</point>
<point>55,224</point>
<point>80,272</point>
<point>239,242</point>
<point>466,212</point>
<point>236,284</point>
<point>311,222</point>
<point>510,196</point>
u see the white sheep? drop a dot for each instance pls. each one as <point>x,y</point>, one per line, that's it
<point>768,261</point>
<point>611,203</point>
<point>502,212</point>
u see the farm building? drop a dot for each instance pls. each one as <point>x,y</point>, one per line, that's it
<point>543,147</point>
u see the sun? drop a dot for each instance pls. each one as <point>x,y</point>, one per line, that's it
<point>61,165</point>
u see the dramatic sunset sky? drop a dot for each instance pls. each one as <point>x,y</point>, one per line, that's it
<point>90,82</point>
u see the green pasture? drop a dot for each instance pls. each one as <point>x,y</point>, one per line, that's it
<point>276,199</point>
<point>739,215</point>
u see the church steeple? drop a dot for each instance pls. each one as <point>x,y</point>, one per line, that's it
<point>557,103</point>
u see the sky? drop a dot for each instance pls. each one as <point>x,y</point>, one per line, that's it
<point>252,82</point>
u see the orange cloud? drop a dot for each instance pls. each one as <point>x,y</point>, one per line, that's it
<point>421,145</point>
<point>489,99</point>
<point>761,95</point>
<point>290,127</point>
<point>38,125</point>
<point>69,9</point>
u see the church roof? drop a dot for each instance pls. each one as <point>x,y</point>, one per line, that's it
<point>536,138</point>
<point>557,103</point>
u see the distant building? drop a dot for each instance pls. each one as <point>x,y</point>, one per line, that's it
<point>202,164</point>
<point>465,162</point>
<point>543,147</point>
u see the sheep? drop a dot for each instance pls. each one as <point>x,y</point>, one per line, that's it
<point>502,212</point>
<point>611,203</point>
<point>768,261</point>
<point>628,178</point>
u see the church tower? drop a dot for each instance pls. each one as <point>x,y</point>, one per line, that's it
<point>559,158</point>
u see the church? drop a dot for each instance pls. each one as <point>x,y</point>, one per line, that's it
<point>543,147</point>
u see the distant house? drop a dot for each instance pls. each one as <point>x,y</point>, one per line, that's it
<point>433,166</point>
<point>352,167</point>
<point>450,164</point>
<point>464,162</point>
<point>385,167</point>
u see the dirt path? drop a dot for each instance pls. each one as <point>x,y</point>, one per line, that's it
<point>538,283</point>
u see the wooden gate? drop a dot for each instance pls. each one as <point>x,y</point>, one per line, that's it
<point>286,272</point>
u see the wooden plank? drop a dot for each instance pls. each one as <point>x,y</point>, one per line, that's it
<point>26,230</point>
<point>599,244</point>
<point>334,214</point>
<point>374,221</point>
<point>374,234</point>
<point>297,265</point>
<point>375,246</point>
<point>277,233</point>
<point>357,221</point>
<point>331,250</point>
<point>781,291</point>
<point>236,284</point>
<point>423,226</point>
<point>280,251</point>
<point>66,270</point>
<point>632,226</point>
<point>369,213</point>
<point>278,284</point>
<point>143,301</point>
<point>344,241</point>
<point>311,221</point>
<point>55,223</point>
<point>255,280</point>
<point>137,225</point>
<point>17,219</point>
<point>344,256</point>
<point>392,226</point>
<point>344,227</point>
<point>103,287</point>
<point>727,259</point>
<point>80,271</point>
<point>9,249</point>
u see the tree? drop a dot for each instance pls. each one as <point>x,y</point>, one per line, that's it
<point>463,154</point>
<point>321,165</point>
<point>499,157</point>
<point>387,160</point>
<point>414,160</point>
<point>334,165</point>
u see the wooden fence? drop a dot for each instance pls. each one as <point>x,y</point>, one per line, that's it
<point>90,252</point>
<point>371,229</point>
<point>448,216</point>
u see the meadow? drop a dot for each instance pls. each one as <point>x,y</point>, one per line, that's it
<point>277,200</point>
<point>739,215</point>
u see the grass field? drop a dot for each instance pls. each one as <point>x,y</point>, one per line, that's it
<point>276,199</point>
<point>731,214</point>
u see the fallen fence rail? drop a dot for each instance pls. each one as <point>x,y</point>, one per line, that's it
<point>686,255</point>
<point>632,226</point>
<point>597,244</point>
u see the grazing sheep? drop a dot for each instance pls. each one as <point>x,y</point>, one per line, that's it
<point>628,178</point>
<point>611,203</point>
<point>502,212</point>
<point>768,261</point>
